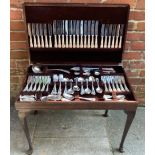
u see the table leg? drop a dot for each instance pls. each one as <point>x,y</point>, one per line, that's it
<point>130,117</point>
<point>105,114</point>
<point>22,117</point>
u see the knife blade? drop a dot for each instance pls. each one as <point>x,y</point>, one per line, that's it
<point>77,33</point>
<point>41,34</point>
<point>50,34</point>
<point>81,34</point>
<point>96,34</point>
<point>70,33</point>
<point>117,35</point>
<point>55,33</point>
<point>89,33</point>
<point>30,34</point>
<point>37,33</point>
<point>34,34</point>
<point>106,35</point>
<point>74,32</point>
<point>45,34</point>
<point>102,35</point>
<point>63,32</point>
<point>121,35</point>
<point>92,33</point>
<point>85,33</point>
<point>109,35</point>
<point>113,35</point>
<point>66,32</point>
<point>58,23</point>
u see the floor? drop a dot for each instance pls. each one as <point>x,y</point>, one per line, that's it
<point>78,133</point>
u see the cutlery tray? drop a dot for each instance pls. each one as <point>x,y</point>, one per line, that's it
<point>64,37</point>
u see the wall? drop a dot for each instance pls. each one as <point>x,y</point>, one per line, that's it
<point>133,57</point>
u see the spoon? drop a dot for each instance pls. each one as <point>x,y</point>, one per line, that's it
<point>36,69</point>
<point>87,90</point>
<point>65,80</point>
<point>92,79</point>
<point>76,87</point>
<point>98,89</point>
<point>80,79</point>
<point>70,90</point>
<point>55,79</point>
<point>60,77</point>
<point>68,96</point>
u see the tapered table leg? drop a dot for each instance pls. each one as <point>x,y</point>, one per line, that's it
<point>22,117</point>
<point>105,114</point>
<point>130,117</point>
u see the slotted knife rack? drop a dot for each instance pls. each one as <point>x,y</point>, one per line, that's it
<point>75,34</point>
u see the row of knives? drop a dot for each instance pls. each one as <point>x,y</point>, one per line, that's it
<point>75,34</point>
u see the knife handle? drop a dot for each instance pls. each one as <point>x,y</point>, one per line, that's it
<point>42,41</point>
<point>63,41</point>
<point>77,42</point>
<point>105,42</point>
<point>101,46</point>
<point>88,44</point>
<point>92,41</point>
<point>109,42</point>
<point>120,42</point>
<point>116,43</point>
<point>46,42</point>
<point>50,41</point>
<point>96,38</point>
<point>59,41</point>
<point>73,41</point>
<point>55,41</point>
<point>85,41</point>
<point>113,42</point>
<point>31,44</point>
<point>70,41</point>
<point>81,41</point>
<point>66,41</point>
<point>38,41</point>
<point>34,39</point>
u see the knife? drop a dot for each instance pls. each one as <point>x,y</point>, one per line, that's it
<point>66,32</point>
<point>59,33</point>
<point>106,35</point>
<point>50,34</point>
<point>63,31</point>
<point>89,32</point>
<point>37,33</point>
<point>92,33</point>
<point>55,34</point>
<point>74,32</point>
<point>81,34</point>
<point>30,34</point>
<point>41,34</point>
<point>77,33</point>
<point>34,33</point>
<point>85,33</point>
<point>121,35</point>
<point>96,34</point>
<point>70,33</point>
<point>45,34</point>
<point>113,35</point>
<point>109,35</point>
<point>102,35</point>
<point>117,35</point>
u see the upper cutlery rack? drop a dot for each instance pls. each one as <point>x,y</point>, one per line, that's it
<point>75,34</point>
<point>67,33</point>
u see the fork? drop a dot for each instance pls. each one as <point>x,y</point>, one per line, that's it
<point>124,83</point>
<point>37,33</point>
<point>28,82</point>
<point>30,34</point>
